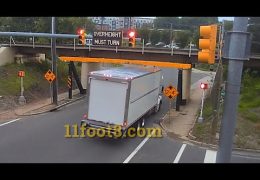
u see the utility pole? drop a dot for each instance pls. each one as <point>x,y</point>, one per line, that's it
<point>102,19</point>
<point>54,63</point>
<point>237,52</point>
<point>200,119</point>
<point>171,35</point>
<point>130,24</point>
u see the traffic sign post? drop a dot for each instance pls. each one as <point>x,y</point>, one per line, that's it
<point>50,76</point>
<point>21,99</point>
<point>203,86</point>
<point>171,93</point>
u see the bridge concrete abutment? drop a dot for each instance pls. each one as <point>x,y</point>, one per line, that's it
<point>7,55</point>
<point>85,69</point>
<point>186,85</point>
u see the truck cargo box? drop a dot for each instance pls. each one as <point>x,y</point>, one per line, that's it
<point>121,96</point>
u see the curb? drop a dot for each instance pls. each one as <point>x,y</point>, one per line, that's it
<point>4,112</point>
<point>64,104</point>
<point>52,109</point>
<point>216,147</point>
<point>202,144</point>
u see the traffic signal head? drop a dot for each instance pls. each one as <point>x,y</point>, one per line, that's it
<point>208,44</point>
<point>82,36</point>
<point>203,86</point>
<point>131,39</point>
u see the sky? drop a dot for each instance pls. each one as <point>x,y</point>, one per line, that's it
<point>226,18</point>
<point>219,18</point>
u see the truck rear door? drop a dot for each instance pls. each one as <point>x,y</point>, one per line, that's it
<point>107,101</point>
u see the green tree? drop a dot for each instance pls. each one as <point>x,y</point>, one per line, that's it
<point>183,38</point>
<point>166,22</point>
<point>143,33</point>
<point>165,36</point>
<point>254,28</point>
<point>155,36</point>
<point>228,25</point>
<point>66,25</point>
<point>70,25</point>
<point>184,23</point>
<point>195,37</point>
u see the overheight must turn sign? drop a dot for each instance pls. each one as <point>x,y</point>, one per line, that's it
<point>107,38</point>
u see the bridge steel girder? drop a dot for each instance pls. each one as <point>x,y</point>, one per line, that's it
<point>126,61</point>
<point>108,53</point>
<point>149,55</point>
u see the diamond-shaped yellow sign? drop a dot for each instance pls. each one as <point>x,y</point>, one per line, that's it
<point>170,92</point>
<point>50,76</point>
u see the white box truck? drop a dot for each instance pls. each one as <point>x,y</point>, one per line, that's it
<point>122,96</point>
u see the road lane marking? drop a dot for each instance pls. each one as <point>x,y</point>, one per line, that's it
<point>176,160</point>
<point>210,156</point>
<point>9,122</point>
<point>138,148</point>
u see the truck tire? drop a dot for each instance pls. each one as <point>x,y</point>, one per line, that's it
<point>124,134</point>
<point>137,125</point>
<point>142,122</point>
<point>157,107</point>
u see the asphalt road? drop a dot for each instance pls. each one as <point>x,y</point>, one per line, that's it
<point>40,138</point>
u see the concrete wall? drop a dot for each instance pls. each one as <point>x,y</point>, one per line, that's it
<point>6,55</point>
<point>186,85</point>
<point>85,69</point>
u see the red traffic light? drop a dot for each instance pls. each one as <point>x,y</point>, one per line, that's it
<point>204,86</point>
<point>80,31</point>
<point>131,34</point>
<point>82,36</point>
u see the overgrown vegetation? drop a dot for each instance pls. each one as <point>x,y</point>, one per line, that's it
<point>249,105</point>
<point>35,84</point>
<point>206,67</point>
<point>247,133</point>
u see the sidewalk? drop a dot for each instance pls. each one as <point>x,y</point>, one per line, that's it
<point>181,122</point>
<point>36,107</point>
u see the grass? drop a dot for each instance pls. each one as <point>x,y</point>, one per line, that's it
<point>250,98</point>
<point>10,82</point>
<point>202,130</point>
<point>205,67</point>
<point>208,109</point>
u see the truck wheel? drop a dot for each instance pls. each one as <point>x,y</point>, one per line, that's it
<point>124,134</point>
<point>142,122</point>
<point>157,107</point>
<point>138,125</point>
